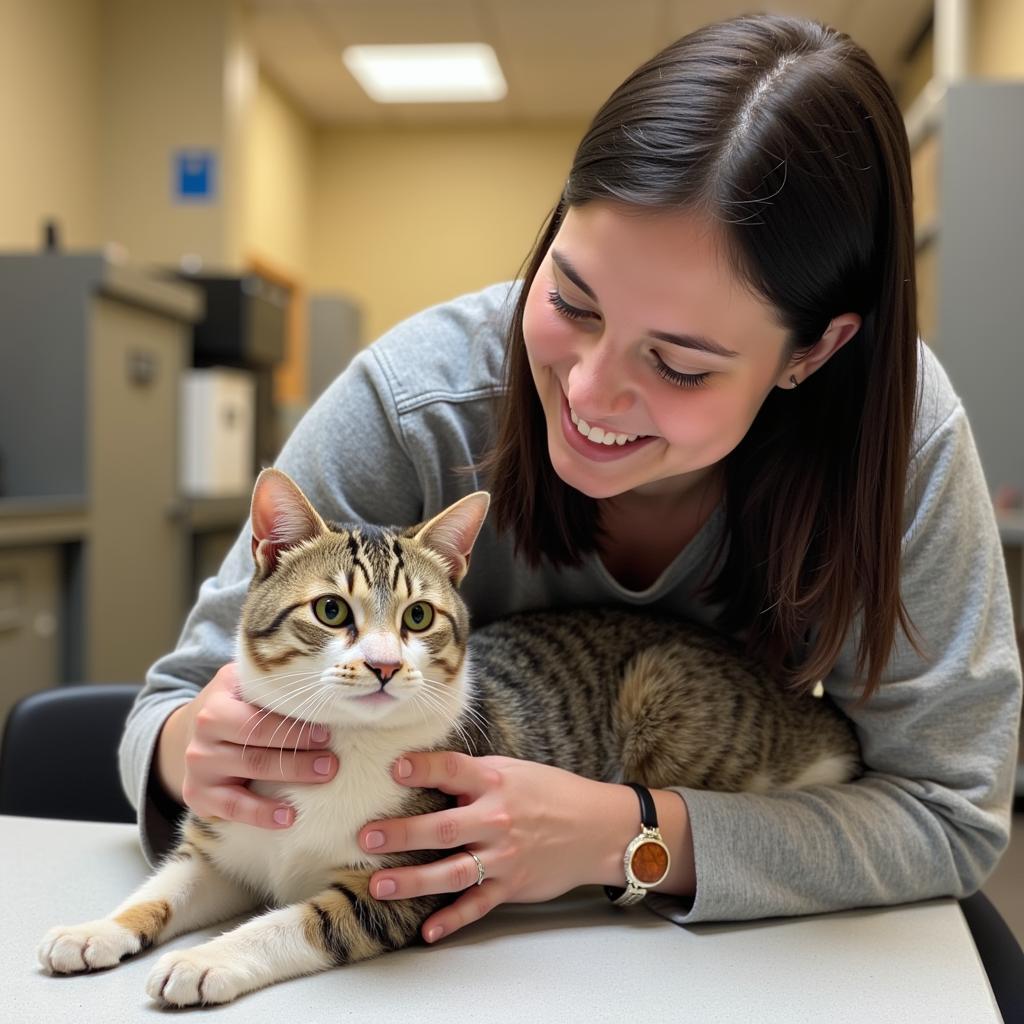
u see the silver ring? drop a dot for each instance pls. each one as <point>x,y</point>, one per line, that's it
<point>481,871</point>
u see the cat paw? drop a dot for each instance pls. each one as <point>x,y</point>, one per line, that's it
<point>190,977</point>
<point>86,947</point>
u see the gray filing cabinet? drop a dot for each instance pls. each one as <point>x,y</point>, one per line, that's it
<point>335,336</point>
<point>30,608</point>
<point>92,354</point>
<point>981,252</point>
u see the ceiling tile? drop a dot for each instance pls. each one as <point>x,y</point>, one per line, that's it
<point>561,57</point>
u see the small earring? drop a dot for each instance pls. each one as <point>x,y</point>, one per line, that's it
<point>793,381</point>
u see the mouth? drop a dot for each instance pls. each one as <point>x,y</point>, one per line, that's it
<point>593,442</point>
<point>377,697</point>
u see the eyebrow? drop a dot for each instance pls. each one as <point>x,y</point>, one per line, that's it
<point>695,341</point>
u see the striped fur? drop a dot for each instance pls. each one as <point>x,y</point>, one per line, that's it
<point>609,694</point>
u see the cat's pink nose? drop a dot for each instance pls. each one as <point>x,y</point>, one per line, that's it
<point>383,670</point>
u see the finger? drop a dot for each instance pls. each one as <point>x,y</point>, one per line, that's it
<point>448,771</point>
<point>475,903</point>
<point>452,874</point>
<point>440,830</point>
<point>471,823</point>
<point>236,803</point>
<point>272,764</point>
<point>245,724</point>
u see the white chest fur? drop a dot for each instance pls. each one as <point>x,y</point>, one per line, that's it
<point>293,864</point>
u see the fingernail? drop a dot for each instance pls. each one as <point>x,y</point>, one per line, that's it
<point>322,766</point>
<point>404,768</point>
<point>282,815</point>
<point>435,933</point>
<point>373,840</point>
<point>386,887</point>
<point>319,734</point>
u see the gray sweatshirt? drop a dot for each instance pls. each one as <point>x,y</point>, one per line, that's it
<point>930,817</point>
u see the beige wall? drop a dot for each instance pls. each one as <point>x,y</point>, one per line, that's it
<point>997,38</point>
<point>407,218</point>
<point>49,119</point>
<point>277,211</point>
<point>165,87</point>
<point>95,95</point>
<point>278,185</point>
<point>916,73</point>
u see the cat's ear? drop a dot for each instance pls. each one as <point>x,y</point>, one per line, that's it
<point>453,532</point>
<point>281,517</point>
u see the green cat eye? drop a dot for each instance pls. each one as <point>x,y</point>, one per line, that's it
<point>332,611</point>
<point>418,616</point>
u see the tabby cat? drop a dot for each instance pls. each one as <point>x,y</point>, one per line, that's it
<point>362,629</point>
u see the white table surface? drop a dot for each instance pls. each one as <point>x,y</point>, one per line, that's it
<point>575,959</point>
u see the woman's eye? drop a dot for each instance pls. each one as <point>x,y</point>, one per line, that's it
<point>418,616</point>
<point>332,611</point>
<point>569,312</point>
<point>682,380</point>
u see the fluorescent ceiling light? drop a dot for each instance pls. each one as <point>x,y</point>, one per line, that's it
<point>448,73</point>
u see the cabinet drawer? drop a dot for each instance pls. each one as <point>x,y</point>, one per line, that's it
<point>30,580</point>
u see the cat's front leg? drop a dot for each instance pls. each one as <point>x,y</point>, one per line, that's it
<point>340,925</point>
<point>185,893</point>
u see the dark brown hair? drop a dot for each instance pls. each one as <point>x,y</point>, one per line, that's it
<point>787,134</point>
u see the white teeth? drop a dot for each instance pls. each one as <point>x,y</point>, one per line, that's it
<point>597,435</point>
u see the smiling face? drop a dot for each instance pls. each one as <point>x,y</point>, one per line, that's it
<point>636,326</point>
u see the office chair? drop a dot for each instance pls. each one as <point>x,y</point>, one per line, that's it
<point>59,755</point>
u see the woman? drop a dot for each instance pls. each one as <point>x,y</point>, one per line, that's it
<point>714,404</point>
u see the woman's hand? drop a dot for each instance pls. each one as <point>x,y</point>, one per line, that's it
<point>211,748</point>
<point>539,831</point>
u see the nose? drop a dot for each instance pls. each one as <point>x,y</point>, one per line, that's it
<point>383,670</point>
<point>381,654</point>
<point>598,387</point>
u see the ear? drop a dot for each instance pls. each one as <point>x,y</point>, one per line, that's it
<point>281,517</point>
<point>840,330</point>
<point>453,532</point>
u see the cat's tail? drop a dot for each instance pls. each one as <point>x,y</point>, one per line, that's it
<point>658,724</point>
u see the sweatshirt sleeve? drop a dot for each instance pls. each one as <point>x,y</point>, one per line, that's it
<point>931,814</point>
<point>349,456</point>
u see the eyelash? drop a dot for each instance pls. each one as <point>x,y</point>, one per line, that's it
<point>681,380</point>
<point>563,307</point>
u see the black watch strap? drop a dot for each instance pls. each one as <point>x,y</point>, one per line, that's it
<point>648,812</point>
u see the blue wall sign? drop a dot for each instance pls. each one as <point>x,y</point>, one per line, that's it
<point>194,175</point>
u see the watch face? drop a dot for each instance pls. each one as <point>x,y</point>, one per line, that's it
<point>649,863</point>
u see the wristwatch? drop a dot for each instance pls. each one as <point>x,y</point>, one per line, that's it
<point>646,859</point>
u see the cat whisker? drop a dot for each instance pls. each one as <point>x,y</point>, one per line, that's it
<point>469,709</point>
<point>439,711</point>
<point>314,702</point>
<point>266,711</point>
<point>296,687</point>
<point>440,689</point>
<point>296,714</point>
<point>433,701</point>
<point>262,716</point>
